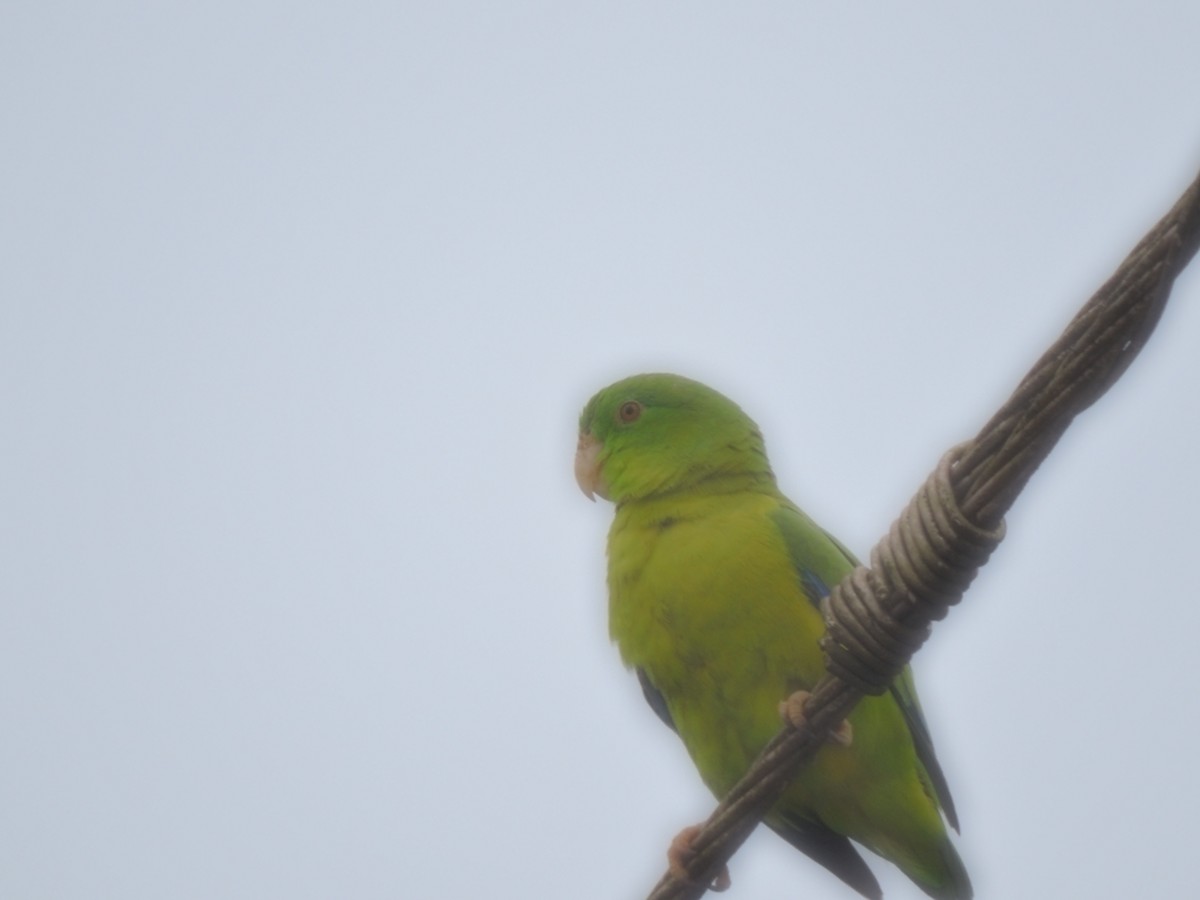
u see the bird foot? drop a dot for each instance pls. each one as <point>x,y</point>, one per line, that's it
<point>680,853</point>
<point>791,711</point>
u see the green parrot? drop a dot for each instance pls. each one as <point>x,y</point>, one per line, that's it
<point>715,581</point>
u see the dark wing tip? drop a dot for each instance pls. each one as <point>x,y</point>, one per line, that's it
<point>654,697</point>
<point>832,850</point>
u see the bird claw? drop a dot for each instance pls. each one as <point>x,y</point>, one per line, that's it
<point>791,711</point>
<point>680,853</point>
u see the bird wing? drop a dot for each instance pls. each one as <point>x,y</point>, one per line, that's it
<point>820,562</point>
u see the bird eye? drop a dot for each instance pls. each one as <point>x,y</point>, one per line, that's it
<point>630,411</point>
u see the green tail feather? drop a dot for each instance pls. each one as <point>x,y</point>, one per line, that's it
<point>953,883</point>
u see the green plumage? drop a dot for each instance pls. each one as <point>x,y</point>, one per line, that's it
<point>715,580</point>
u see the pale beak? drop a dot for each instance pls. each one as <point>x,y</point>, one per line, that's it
<point>587,467</point>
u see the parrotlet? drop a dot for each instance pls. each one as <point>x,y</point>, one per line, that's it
<point>715,581</point>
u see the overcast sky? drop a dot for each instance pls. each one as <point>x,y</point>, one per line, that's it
<point>298,308</point>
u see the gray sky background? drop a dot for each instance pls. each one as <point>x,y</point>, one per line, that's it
<point>298,308</point>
